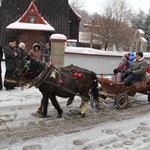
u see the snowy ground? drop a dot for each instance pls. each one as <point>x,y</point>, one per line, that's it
<point>108,128</point>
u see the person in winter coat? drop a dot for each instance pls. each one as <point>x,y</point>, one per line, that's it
<point>122,68</point>
<point>137,70</point>
<point>11,62</point>
<point>36,52</point>
<point>22,50</point>
<point>1,56</point>
<point>130,56</point>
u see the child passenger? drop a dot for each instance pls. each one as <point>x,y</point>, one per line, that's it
<point>122,68</point>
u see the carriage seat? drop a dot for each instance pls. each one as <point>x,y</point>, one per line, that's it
<point>139,84</point>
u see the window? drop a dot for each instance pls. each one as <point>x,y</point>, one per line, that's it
<point>32,19</point>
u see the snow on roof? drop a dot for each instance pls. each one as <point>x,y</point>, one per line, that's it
<point>141,31</point>
<point>30,26</point>
<point>23,24</point>
<point>92,51</point>
<point>58,36</point>
<point>143,39</point>
<point>79,17</point>
<point>83,50</point>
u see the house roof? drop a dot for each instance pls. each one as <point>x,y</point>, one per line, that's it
<point>76,14</point>
<point>24,23</point>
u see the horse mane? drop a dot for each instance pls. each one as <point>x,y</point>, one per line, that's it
<point>36,66</point>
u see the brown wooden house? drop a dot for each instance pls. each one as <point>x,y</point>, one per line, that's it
<point>31,28</point>
<point>57,13</point>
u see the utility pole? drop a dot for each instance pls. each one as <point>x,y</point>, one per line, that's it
<point>91,26</point>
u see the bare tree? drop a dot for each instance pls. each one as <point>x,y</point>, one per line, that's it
<point>113,26</point>
<point>76,4</point>
<point>118,10</point>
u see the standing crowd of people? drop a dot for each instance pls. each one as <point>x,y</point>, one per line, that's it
<point>13,54</point>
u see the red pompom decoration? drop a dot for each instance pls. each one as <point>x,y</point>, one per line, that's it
<point>80,75</point>
<point>75,74</point>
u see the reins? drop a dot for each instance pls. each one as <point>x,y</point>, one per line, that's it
<point>66,89</point>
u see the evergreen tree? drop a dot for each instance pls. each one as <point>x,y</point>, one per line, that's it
<point>147,29</point>
<point>138,21</point>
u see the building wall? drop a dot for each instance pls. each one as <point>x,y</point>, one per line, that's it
<point>140,42</point>
<point>101,62</point>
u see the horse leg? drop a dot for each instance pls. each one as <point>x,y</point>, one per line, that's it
<point>44,106</point>
<point>56,106</point>
<point>70,101</point>
<point>83,107</point>
<point>39,110</point>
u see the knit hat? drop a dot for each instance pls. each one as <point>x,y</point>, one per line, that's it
<point>139,53</point>
<point>12,39</point>
<point>124,59</point>
<point>22,45</point>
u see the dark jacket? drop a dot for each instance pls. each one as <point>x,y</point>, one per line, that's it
<point>11,60</point>
<point>1,56</point>
<point>138,68</point>
<point>22,53</point>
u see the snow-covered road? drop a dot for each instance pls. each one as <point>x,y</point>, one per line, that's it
<point>108,128</point>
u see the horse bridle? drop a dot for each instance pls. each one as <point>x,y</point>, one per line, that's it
<point>26,67</point>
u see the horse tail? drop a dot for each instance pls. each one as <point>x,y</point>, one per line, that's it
<point>94,89</point>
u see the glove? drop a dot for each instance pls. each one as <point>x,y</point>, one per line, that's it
<point>27,57</point>
<point>128,73</point>
<point>115,71</point>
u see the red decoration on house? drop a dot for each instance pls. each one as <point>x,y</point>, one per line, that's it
<point>32,15</point>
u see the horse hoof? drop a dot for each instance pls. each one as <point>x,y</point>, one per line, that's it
<point>59,115</point>
<point>79,112</point>
<point>38,111</point>
<point>39,115</point>
<point>83,115</point>
<point>69,102</point>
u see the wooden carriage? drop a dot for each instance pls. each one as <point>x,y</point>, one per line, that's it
<point>116,90</point>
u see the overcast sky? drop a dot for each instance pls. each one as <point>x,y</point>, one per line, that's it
<point>97,5</point>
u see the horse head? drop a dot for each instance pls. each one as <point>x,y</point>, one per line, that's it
<point>28,69</point>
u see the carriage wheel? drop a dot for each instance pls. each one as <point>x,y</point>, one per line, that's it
<point>121,100</point>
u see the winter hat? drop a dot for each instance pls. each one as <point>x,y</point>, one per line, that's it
<point>139,53</point>
<point>36,45</point>
<point>22,45</point>
<point>124,59</point>
<point>12,39</point>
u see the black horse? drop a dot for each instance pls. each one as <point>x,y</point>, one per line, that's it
<point>67,82</point>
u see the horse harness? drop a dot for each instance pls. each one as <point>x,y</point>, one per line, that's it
<point>42,78</point>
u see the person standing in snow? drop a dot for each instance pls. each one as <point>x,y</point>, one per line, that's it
<point>11,62</point>
<point>22,50</point>
<point>36,52</point>
<point>1,56</point>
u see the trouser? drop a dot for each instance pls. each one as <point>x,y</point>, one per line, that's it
<point>132,78</point>
<point>1,84</point>
<point>9,76</point>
